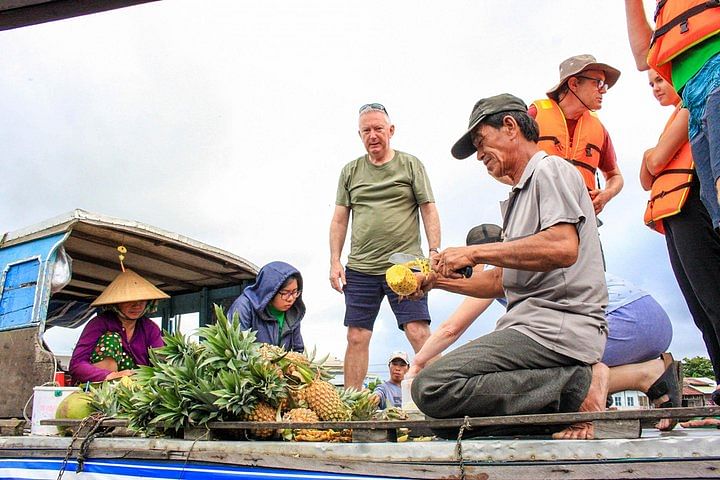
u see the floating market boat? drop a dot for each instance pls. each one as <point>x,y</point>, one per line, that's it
<point>50,273</point>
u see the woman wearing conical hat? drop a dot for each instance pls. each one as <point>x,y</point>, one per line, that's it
<point>116,341</point>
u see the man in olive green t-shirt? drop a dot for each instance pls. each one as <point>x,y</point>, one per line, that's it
<point>384,190</point>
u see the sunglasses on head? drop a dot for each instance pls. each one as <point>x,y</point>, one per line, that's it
<point>373,106</point>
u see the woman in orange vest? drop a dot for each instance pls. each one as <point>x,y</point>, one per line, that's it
<point>675,209</point>
<point>685,50</point>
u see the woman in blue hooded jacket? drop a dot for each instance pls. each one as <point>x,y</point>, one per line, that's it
<point>273,306</point>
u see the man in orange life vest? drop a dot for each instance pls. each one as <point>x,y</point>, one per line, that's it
<point>570,128</point>
<point>684,50</point>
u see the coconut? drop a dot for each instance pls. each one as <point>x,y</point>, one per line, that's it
<point>77,405</point>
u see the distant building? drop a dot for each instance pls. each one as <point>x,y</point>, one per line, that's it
<point>699,386</point>
<point>630,400</point>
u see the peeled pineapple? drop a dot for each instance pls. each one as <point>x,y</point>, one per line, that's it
<point>401,280</point>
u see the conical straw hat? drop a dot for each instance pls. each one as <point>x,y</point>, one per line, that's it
<point>129,287</point>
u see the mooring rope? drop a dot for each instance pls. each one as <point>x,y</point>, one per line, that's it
<point>95,421</point>
<point>458,446</point>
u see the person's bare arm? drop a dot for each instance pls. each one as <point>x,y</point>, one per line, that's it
<point>614,182</point>
<point>482,283</point>
<point>431,222</point>
<point>646,178</point>
<point>639,32</point>
<point>338,231</point>
<point>554,247</point>
<point>448,332</point>
<point>670,142</point>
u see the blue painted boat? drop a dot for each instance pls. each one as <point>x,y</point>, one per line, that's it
<point>51,271</point>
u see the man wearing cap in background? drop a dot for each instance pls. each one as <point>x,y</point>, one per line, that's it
<point>390,393</point>
<point>384,189</point>
<point>570,128</point>
<point>550,270</point>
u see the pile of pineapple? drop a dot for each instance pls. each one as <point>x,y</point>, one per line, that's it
<point>229,376</point>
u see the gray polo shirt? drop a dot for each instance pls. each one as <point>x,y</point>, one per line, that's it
<point>563,309</point>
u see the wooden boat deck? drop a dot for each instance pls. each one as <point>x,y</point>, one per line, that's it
<point>681,453</point>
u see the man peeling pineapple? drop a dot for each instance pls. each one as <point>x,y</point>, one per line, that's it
<point>544,355</point>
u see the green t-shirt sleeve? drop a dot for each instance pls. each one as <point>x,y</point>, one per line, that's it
<point>421,184</point>
<point>342,197</point>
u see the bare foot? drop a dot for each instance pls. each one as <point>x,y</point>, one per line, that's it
<point>705,422</point>
<point>594,402</point>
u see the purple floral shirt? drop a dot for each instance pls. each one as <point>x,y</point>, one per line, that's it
<point>147,335</point>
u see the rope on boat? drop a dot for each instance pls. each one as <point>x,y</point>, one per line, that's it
<point>95,421</point>
<point>458,446</point>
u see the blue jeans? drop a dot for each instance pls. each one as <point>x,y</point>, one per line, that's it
<point>701,96</point>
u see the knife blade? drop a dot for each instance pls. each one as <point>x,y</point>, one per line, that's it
<point>421,264</point>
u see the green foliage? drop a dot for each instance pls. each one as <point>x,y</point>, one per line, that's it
<point>361,403</point>
<point>222,378</point>
<point>697,367</point>
<point>374,383</point>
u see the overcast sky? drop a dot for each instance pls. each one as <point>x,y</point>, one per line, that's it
<point>229,122</point>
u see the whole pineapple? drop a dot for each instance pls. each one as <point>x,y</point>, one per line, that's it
<point>324,399</point>
<point>296,396</point>
<point>262,412</point>
<point>301,415</point>
<point>401,280</point>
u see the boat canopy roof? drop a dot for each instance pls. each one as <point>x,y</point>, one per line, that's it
<point>174,263</point>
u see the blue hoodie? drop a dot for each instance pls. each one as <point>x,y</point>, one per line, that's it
<point>252,305</point>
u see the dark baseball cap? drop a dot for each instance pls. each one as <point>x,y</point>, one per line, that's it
<point>484,107</point>
<point>484,233</point>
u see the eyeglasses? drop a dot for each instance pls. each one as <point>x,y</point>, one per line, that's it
<point>373,106</point>
<point>289,294</point>
<point>600,83</point>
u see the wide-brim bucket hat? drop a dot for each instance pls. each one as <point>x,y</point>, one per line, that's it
<point>129,287</point>
<point>578,64</point>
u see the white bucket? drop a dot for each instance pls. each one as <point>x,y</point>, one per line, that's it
<point>45,403</point>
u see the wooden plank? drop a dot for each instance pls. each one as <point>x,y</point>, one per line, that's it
<point>361,435</point>
<point>596,469</point>
<point>538,419</point>
<point>11,426</point>
<point>198,434</point>
<point>606,429</point>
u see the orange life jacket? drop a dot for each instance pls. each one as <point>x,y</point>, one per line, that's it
<point>680,25</point>
<point>671,186</point>
<point>583,150</point>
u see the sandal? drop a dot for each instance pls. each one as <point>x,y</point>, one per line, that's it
<point>670,384</point>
